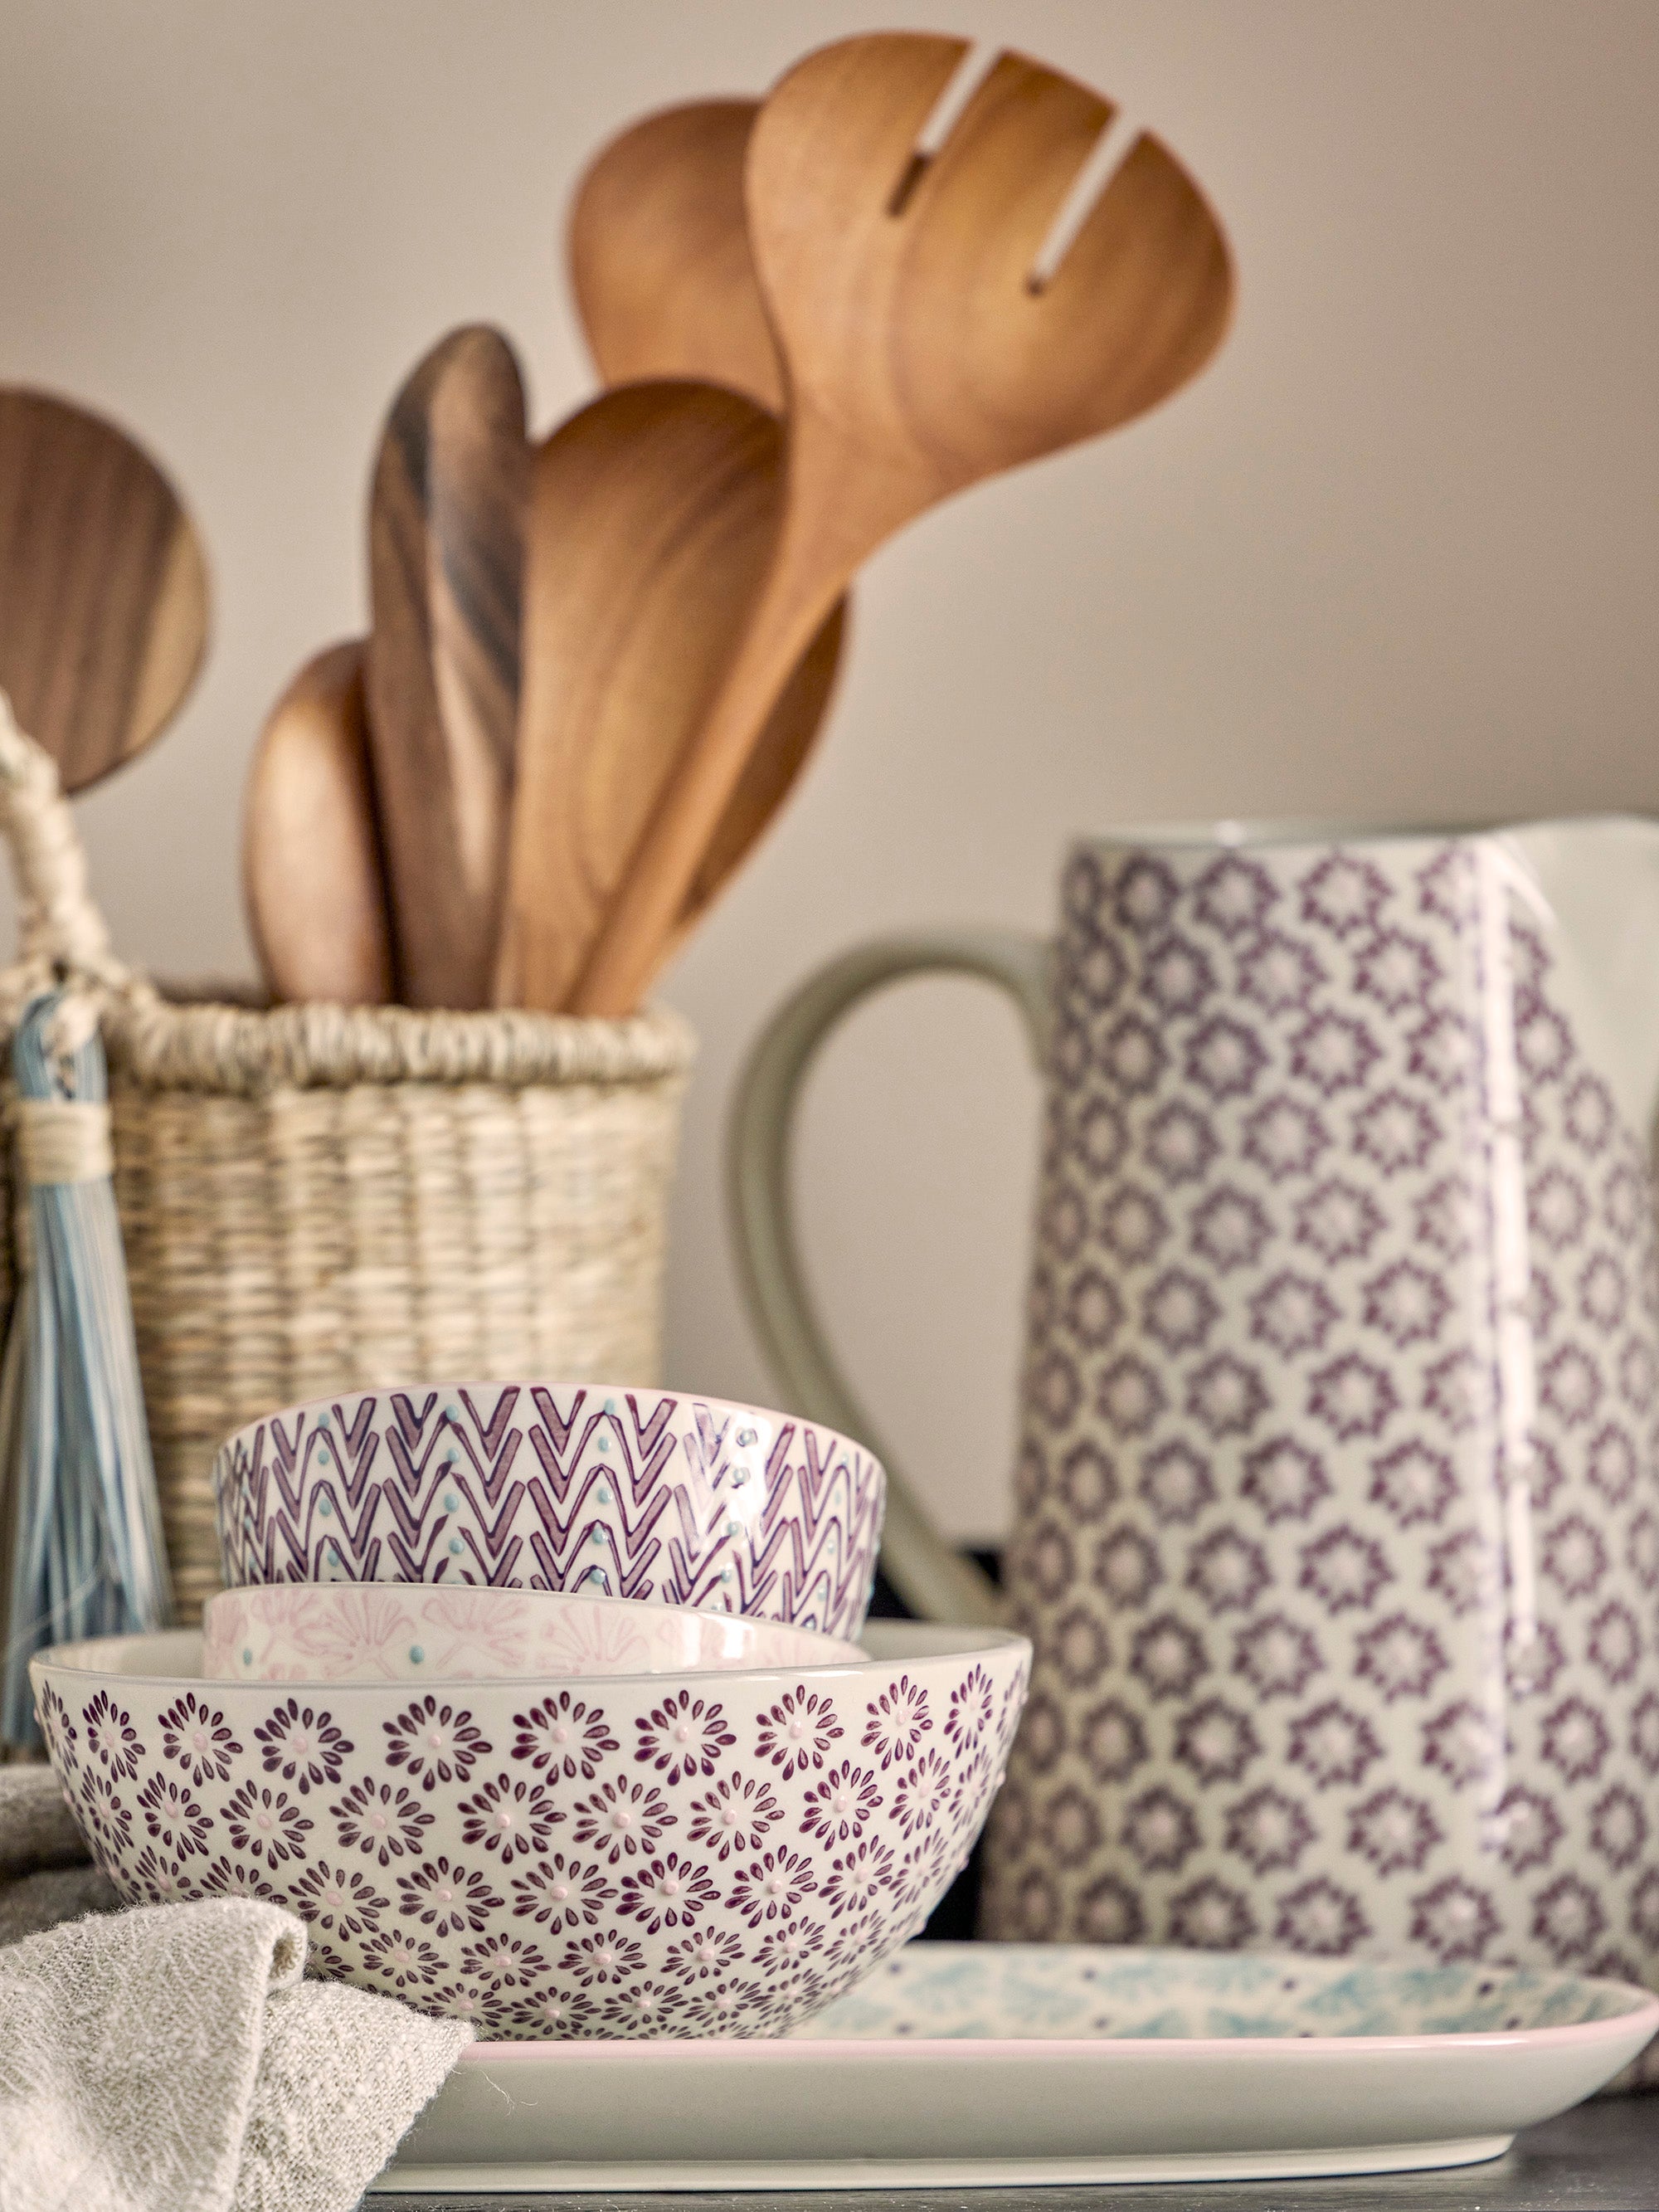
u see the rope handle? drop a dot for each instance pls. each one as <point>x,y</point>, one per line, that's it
<point>64,942</point>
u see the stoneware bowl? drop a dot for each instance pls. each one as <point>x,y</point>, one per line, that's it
<point>423,1633</point>
<point>639,1856</point>
<point>616,1492</point>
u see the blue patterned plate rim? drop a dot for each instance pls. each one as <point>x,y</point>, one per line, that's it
<point>935,1995</point>
<point>1094,1992</point>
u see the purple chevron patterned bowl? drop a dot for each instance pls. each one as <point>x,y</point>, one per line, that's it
<point>615,1492</point>
<point>629,1855</point>
<point>430,1631</point>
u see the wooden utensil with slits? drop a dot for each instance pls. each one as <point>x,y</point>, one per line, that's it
<point>920,357</point>
<point>653,518</point>
<point>447,512</point>
<point>312,871</point>
<point>103,587</point>
<point>665,286</point>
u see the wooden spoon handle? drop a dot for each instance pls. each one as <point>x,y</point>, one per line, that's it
<point>643,921</point>
<point>771,771</point>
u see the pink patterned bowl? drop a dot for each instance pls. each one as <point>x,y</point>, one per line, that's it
<point>424,1633</point>
<point>625,1857</point>
<point>618,1492</point>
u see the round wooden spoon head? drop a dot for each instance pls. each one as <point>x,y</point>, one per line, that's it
<point>103,587</point>
<point>311,860</point>
<point>653,514</point>
<point>660,259</point>
<point>445,569</point>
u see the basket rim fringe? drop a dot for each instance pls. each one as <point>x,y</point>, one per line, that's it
<point>159,1045</point>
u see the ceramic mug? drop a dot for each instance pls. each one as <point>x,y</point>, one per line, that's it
<point>1337,1524</point>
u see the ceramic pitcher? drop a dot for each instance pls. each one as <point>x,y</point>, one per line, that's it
<point>1337,1505</point>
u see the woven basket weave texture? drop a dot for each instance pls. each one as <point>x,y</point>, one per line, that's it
<point>316,1199</point>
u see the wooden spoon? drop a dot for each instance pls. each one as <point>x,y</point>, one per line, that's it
<point>311,860</point>
<point>921,356</point>
<point>653,516</point>
<point>103,587</point>
<point>658,253</point>
<point>665,286</point>
<point>447,512</point>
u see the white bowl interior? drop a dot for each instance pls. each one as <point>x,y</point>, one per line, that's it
<point>174,1654</point>
<point>421,1631</point>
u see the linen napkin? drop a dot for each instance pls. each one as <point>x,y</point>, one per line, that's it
<point>44,1874</point>
<point>40,1901</point>
<point>37,1828</point>
<point>171,2059</point>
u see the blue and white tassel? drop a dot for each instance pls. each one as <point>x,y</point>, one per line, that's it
<point>86,1553</point>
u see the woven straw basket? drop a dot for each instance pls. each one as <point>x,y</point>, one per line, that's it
<point>318,1199</point>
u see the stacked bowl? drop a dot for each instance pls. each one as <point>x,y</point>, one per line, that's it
<point>540,1705</point>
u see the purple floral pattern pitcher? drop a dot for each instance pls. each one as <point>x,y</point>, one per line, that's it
<point>1337,1525</point>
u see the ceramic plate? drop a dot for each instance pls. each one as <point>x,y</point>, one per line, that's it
<point>1010,2064</point>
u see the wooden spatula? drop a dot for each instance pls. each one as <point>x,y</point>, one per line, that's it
<point>923,352</point>
<point>653,516</point>
<point>665,286</point>
<point>446,567</point>
<point>311,862</point>
<point>103,587</point>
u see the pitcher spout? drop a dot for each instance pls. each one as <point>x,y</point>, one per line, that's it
<point>1594,885</point>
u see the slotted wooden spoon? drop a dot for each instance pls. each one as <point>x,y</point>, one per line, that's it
<point>653,516</point>
<point>447,510</point>
<point>311,872</point>
<point>920,357</point>
<point>665,286</point>
<point>103,587</point>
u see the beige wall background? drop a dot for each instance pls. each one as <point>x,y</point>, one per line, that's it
<point>1395,556</point>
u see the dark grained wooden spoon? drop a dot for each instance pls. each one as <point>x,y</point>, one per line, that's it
<point>312,871</point>
<point>923,354</point>
<point>103,587</point>
<point>447,510</point>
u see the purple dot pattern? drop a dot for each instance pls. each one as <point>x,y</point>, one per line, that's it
<point>616,1858</point>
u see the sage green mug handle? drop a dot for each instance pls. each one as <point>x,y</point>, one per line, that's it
<point>933,1577</point>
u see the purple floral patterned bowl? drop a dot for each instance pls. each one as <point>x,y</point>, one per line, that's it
<point>435,1632</point>
<point>635,1856</point>
<point>618,1492</point>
